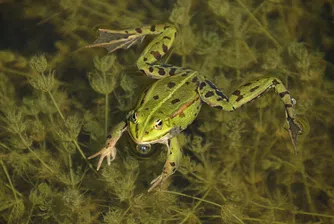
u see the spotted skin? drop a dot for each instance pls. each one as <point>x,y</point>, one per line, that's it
<point>175,99</point>
<point>174,156</point>
<point>250,92</point>
<point>113,40</point>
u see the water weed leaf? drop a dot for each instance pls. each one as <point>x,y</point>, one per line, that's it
<point>235,167</point>
<point>38,63</point>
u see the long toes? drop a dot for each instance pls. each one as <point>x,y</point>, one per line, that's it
<point>154,183</point>
<point>95,155</point>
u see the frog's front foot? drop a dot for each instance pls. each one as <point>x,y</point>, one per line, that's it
<point>108,151</point>
<point>294,130</point>
<point>157,181</point>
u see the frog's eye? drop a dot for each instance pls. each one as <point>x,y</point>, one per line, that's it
<point>134,117</point>
<point>143,149</point>
<point>158,124</point>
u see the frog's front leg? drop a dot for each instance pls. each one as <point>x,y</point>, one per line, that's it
<point>109,150</point>
<point>174,156</point>
<point>248,92</point>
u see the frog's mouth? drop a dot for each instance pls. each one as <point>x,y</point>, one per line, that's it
<point>161,140</point>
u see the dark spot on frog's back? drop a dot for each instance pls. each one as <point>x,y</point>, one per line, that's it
<point>164,48</point>
<point>139,30</point>
<point>254,88</point>
<point>195,79</point>
<point>240,97</point>
<point>236,93</point>
<point>161,71</point>
<point>175,101</point>
<point>282,94</point>
<point>152,28</point>
<point>171,84</point>
<point>211,84</point>
<point>202,85</point>
<point>155,97</point>
<point>172,71</point>
<point>221,94</point>
<point>209,94</point>
<point>156,54</point>
<point>275,82</point>
<point>172,163</point>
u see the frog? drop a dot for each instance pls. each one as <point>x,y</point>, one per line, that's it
<point>174,100</point>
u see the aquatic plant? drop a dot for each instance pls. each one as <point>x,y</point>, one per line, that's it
<point>57,107</point>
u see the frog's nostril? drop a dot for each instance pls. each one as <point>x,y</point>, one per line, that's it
<point>146,132</point>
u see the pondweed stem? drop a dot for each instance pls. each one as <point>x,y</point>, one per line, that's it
<point>71,169</point>
<point>106,106</point>
<point>9,180</point>
<point>294,212</point>
<point>56,105</point>
<point>33,152</point>
<point>278,45</point>
<point>201,199</point>
<point>16,72</point>
<point>74,141</point>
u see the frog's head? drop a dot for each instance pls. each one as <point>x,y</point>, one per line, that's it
<point>146,128</point>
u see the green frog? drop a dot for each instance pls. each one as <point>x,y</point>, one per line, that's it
<point>171,103</point>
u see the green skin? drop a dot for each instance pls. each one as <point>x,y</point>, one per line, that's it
<point>174,100</point>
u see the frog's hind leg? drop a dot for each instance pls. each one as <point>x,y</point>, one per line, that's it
<point>155,50</point>
<point>116,39</point>
<point>174,156</point>
<point>248,92</point>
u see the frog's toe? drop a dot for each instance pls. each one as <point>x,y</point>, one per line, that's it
<point>109,152</point>
<point>157,181</point>
<point>294,131</point>
<point>112,153</point>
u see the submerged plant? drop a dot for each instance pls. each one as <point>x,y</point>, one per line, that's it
<point>236,167</point>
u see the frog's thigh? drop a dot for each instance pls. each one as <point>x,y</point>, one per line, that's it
<point>174,156</point>
<point>213,96</point>
<point>155,50</point>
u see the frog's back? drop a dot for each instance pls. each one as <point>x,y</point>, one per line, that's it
<point>170,93</point>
